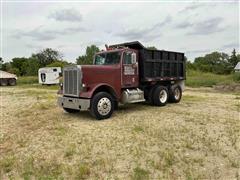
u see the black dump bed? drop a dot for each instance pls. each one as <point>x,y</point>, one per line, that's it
<point>158,65</point>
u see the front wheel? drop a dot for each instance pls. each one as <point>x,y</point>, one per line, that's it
<point>102,105</point>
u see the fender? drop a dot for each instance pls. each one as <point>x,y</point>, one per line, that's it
<point>91,90</point>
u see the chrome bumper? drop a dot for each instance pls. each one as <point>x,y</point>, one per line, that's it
<point>74,103</point>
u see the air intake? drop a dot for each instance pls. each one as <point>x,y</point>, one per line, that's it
<point>72,79</point>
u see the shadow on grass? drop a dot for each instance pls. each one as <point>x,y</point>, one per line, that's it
<point>86,115</point>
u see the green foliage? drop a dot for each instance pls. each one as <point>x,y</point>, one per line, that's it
<point>6,66</point>
<point>83,171</point>
<point>32,67</point>
<point>236,77</point>
<point>234,59</point>
<point>198,78</point>
<point>47,56</point>
<point>190,66</point>
<point>88,57</point>
<point>140,174</point>
<point>215,62</point>
<point>22,66</point>
<point>14,71</point>
<point>58,64</point>
<point>7,163</point>
<point>27,80</point>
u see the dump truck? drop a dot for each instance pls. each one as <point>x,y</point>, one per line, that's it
<point>123,73</point>
<point>7,79</point>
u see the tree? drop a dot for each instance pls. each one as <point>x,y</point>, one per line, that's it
<point>47,56</point>
<point>233,60</point>
<point>58,64</point>
<point>215,62</point>
<point>238,57</point>
<point>6,66</point>
<point>25,66</point>
<point>32,67</point>
<point>89,54</point>
<point>21,64</point>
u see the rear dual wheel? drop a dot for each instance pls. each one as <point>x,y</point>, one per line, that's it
<point>160,96</point>
<point>175,94</point>
<point>12,82</point>
<point>3,82</point>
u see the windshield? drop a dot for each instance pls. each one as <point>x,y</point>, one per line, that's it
<point>107,58</point>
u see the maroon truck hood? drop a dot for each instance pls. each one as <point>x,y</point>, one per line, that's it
<point>98,74</point>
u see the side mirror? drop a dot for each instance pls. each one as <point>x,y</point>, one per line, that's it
<point>134,58</point>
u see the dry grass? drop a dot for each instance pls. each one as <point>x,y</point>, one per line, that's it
<point>195,139</point>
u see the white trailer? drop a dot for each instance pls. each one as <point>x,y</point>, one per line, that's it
<point>49,75</point>
<point>7,79</point>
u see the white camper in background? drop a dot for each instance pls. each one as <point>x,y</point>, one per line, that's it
<point>49,75</point>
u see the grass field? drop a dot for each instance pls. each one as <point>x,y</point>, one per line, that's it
<point>201,79</point>
<point>199,138</point>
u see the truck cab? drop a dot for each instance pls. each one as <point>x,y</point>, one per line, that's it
<point>114,78</point>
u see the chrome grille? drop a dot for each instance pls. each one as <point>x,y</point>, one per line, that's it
<point>72,78</point>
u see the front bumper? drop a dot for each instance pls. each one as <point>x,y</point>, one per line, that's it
<point>74,103</point>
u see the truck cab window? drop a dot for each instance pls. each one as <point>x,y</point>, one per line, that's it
<point>127,58</point>
<point>108,58</point>
<point>100,59</point>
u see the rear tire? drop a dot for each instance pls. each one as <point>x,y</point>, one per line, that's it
<point>3,82</point>
<point>71,110</point>
<point>175,94</point>
<point>160,96</point>
<point>102,105</point>
<point>150,95</point>
<point>12,82</point>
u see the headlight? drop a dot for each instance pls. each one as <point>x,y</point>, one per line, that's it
<point>84,85</point>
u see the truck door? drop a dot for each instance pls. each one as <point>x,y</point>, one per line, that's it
<point>129,70</point>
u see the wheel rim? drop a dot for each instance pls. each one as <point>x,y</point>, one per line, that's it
<point>177,93</point>
<point>104,106</point>
<point>163,96</point>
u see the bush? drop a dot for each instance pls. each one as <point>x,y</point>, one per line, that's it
<point>27,80</point>
<point>198,78</point>
<point>236,76</point>
<point>58,64</point>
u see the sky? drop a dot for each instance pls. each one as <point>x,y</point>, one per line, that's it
<point>192,27</point>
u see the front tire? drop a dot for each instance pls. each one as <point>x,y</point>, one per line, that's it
<point>160,96</point>
<point>175,94</point>
<point>150,95</point>
<point>102,105</point>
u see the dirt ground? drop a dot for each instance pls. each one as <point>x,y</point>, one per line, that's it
<point>198,138</point>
